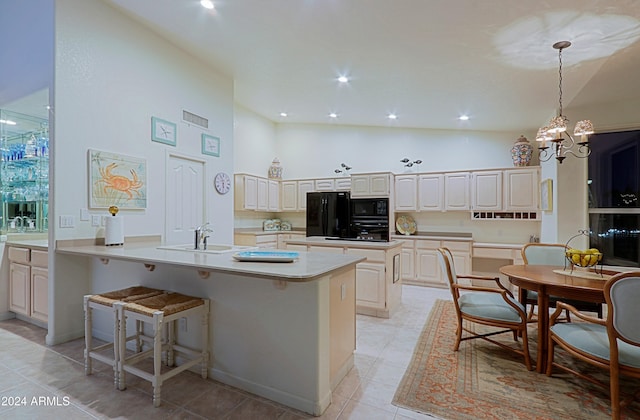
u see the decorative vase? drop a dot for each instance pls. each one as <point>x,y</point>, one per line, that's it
<point>521,152</point>
<point>275,170</point>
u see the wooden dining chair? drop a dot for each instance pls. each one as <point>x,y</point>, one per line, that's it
<point>491,306</point>
<point>612,344</point>
<point>536,253</point>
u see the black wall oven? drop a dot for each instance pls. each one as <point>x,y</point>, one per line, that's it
<point>370,219</point>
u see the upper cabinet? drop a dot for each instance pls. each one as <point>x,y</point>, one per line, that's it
<point>406,192</point>
<point>486,190</point>
<point>289,190</point>
<point>370,185</point>
<point>246,192</point>
<point>511,191</point>
<point>456,191</point>
<point>431,192</point>
<point>521,188</point>
<point>304,186</point>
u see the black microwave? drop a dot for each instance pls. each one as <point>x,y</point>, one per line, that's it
<point>370,208</point>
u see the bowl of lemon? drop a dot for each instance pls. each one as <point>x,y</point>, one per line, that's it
<point>584,258</point>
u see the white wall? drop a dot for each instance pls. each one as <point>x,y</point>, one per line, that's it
<point>254,142</point>
<point>111,76</point>
<point>317,150</point>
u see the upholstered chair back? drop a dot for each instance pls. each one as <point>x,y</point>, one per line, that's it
<point>544,254</point>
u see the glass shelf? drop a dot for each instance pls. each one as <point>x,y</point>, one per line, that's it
<point>24,173</point>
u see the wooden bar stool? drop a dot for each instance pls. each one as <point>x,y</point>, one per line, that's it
<point>105,302</point>
<point>160,310</point>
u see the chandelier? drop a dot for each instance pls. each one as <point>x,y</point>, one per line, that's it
<point>552,136</point>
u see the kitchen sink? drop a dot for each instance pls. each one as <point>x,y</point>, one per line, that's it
<point>211,248</point>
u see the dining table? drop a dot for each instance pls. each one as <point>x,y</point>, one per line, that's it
<point>557,281</point>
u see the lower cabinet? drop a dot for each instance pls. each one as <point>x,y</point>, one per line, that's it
<point>29,283</point>
<point>420,263</point>
<point>378,278</point>
<point>275,239</point>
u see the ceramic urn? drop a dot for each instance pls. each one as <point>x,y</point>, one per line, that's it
<point>521,152</point>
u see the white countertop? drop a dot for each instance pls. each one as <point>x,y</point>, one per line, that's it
<point>258,231</point>
<point>497,245</point>
<point>309,265</point>
<point>39,244</point>
<point>322,241</point>
<point>437,236</point>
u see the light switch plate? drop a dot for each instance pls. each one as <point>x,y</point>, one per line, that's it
<point>84,215</point>
<point>95,220</point>
<point>67,221</point>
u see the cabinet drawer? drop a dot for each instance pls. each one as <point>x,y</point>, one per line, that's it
<point>407,244</point>
<point>371,254</point>
<point>457,245</point>
<point>39,258</point>
<point>427,244</point>
<point>497,253</point>
<point>19,254</point>
<point>261,239</point>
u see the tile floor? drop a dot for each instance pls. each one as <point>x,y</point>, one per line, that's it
<point>49,382</point>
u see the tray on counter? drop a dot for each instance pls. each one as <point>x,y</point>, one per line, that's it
<point>266,256</point>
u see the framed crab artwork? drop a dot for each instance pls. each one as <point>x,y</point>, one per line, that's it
<point>117,180</point>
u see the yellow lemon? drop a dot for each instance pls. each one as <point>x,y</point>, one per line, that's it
<point>593,251</point>
<point>575,258</point>
<point>587,260</point>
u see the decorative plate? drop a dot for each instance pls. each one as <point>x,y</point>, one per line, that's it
<point>266,256</point>
<point>406,225</point>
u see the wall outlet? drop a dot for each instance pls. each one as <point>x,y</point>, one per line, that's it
<point>95,220</point>
<point>343,292</point>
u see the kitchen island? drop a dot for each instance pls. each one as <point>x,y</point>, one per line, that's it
<point>378,278</point>
<point>284,331</point>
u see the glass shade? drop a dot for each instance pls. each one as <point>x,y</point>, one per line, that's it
<point>543,134</point>
<point>583,128</point>
<point>558,125</point>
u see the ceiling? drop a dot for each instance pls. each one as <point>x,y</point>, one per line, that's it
<point>426,61</point>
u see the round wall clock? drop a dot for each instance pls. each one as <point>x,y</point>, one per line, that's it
<point>222,183</point>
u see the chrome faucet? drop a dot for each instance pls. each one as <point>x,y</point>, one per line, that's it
<point>201,235</point>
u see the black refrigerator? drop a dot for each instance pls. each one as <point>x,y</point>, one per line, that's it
<point>328,214</point>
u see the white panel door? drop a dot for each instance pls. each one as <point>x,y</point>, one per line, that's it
<point>406,193</point>
<point>184,198</point>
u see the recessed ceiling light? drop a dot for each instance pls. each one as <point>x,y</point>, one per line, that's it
<point>207,4</point>
<point>333,115</point>
<point>463,117</point>
<point>283,114</point>
<point>343,79</point>
<point>392,116</point>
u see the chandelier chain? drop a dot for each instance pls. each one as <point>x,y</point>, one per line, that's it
<point>560,80</point>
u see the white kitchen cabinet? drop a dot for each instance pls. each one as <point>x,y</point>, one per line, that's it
<point>370,285</point>
<point>370,185</point>
<point>289,190</point>
<point>408,261</point>
<point>406,193</point>
<point>456,191</point>
<point>327,184</point>
<point>427,265</point>
<point>304,186</point>
<point>40,293</point>
<point>431,192</point>
<point>343,184</point>
<point>246,192</point>
<point>420,263</point>
<point>521,188</point>
<point>20,288</point>
<point>486,190</point>
<point>262,200</point>
<point>273,195</point>
<point>29,283</point>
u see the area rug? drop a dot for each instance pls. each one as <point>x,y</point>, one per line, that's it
<point>484,381</point>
